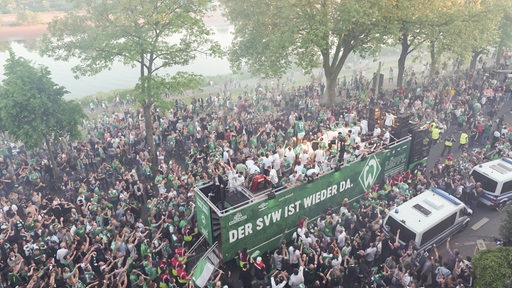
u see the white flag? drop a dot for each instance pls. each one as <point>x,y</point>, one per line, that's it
<point>202,272</point>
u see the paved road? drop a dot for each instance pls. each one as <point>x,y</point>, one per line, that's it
<point>484,225</point>
<point>486,221</point>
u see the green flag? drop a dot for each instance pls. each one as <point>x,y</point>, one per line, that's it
<point>202,273</point>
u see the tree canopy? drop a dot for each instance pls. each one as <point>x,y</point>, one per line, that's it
<point>32,106</point>
<point>151,35</point>
<point>492,267</point>
<point>270,36</point>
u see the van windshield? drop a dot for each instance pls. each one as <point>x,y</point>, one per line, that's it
<point>488,184</point>
<point>405,236</point>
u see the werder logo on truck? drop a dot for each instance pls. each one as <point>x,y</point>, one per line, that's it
<point>370,172</point>
<point>237,218</point>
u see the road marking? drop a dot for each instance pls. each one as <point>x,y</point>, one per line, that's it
<point>481,245</point>
<point>457,244</point>
<point>480,223</point>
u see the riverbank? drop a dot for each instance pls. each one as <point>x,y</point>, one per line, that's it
<point>9,31</point>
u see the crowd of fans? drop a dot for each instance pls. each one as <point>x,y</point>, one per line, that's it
<point>90,231</point>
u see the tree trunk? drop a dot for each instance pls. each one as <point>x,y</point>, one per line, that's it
<point>332,70</point>
<point>401,60</point>
<point>331,85</point>
<point>150,142</point>
<point>499,55</point>
<point>474,59</point>
<point>433,59</point>
<point>55,168</point>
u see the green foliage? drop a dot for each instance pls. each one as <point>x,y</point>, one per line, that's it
<point>493,267</point>
<point>271,36</point>
<point>149,34</point>
<point>506,225</point>
<point>478,22</point>
<point>108,96</point>
<point>32,108</point>
<point>24,17</point>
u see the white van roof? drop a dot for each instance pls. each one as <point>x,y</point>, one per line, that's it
<point>498,170</point>
<point>426,210</point>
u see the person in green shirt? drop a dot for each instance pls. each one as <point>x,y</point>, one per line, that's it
<point>300,130</point>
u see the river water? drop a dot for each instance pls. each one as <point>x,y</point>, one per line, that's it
<point>119,76</point>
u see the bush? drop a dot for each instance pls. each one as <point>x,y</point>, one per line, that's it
<point>27,18</point>
<point>493,267</point>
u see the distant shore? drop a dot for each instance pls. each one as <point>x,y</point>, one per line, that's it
<point>8,32</point>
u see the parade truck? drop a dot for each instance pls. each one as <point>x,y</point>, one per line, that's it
<point>259,219</point>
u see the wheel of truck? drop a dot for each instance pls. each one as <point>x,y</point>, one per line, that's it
<point>503,205</point>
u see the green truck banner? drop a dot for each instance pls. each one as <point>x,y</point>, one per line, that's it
<point>263,224</point>
<point>204,221</point>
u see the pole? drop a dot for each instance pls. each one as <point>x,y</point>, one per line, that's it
<point>378,81</point>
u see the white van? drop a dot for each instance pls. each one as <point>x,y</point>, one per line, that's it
<point>496,179</point>
<point>427,219</point>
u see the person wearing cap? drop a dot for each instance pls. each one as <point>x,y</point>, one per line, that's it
<point>259,272</point>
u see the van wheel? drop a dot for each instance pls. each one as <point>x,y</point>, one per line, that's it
<point>503,206</point>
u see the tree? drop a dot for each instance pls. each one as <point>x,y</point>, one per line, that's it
<point>33,110</point>
<point>473,29</point>
<point>270,36</point>
<point>413,22</point>
<point>151,34</point>
<point>505,38</point>
<point>479,23</point>
<point>492,267</point>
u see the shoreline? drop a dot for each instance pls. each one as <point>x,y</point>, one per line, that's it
<point>28,32</point>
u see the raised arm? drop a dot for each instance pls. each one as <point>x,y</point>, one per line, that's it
<point>448,247</point>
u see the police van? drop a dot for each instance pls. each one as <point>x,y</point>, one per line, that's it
<point>427,219</point>
<point>496,179</point>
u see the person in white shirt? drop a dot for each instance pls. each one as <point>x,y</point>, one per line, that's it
<point>371,253</point>
<point>278,279</point>
<point>249,162</point>
<point>299,169</point>
<point>297,278</point>
<point>364,127</point>
<point>319,156</point>
<point>276,162</point>
<point>386,138</point>
<point>390,120</point>
<point>342,238</point>
<point>304,157</point>
<point>273,178</point>
<point>267,161</point>
<point>239,181</point>
<point>294,179</point>
<point>290,154</point>
<point>253,169</point>
<point>312,173</point>
<point>225,156</point>
<point>376,131</point>
<point>62,252</point>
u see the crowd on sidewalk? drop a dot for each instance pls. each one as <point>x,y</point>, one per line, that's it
<point>91,232</point>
